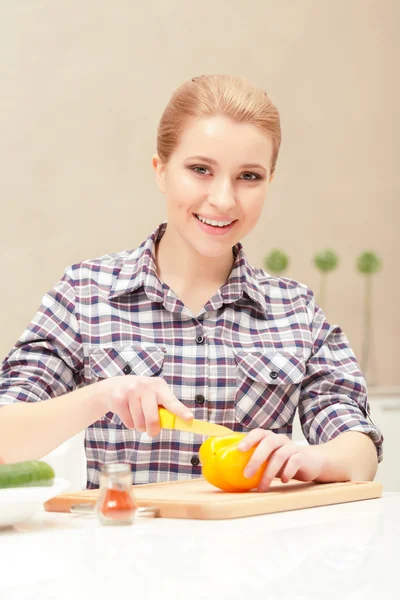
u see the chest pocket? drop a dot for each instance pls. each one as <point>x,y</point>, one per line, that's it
<point>134,359</point>
<point>126,360</point>
<point>267,387</point>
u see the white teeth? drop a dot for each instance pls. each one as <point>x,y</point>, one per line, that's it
<point>215,223</point>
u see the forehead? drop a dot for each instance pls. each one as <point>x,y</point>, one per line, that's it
<point>222,138</point>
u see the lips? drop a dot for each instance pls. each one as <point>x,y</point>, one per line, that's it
<point>226,220</point>
<point>214,229</point>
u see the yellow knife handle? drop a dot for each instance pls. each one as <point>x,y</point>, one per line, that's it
<point>167,419</point>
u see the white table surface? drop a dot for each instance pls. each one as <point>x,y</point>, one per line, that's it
<point>343,551</point>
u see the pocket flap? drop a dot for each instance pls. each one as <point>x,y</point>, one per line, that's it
<point>135,359</point>
<point>272,367</point>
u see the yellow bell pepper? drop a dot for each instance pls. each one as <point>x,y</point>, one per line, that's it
<point>223,464</point>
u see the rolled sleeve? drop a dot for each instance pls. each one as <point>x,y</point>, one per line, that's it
<point>333,396</point>
<point>47,360</point>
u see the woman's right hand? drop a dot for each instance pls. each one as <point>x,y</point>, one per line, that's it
<point>136,400</point>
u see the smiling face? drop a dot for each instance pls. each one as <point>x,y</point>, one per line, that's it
<point>215,182</point>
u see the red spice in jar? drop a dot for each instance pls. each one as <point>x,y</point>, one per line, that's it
<point>117,504</point>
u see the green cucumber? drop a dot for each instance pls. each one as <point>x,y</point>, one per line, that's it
<point>26,474</point>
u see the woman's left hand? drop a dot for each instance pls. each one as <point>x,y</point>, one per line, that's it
<point>286,459</point>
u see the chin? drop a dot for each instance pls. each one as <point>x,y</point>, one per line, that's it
<point>212,250</point>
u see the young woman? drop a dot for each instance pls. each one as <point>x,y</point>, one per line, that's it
<point>184,321</point>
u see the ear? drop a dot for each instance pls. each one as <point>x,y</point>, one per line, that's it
<point>159,169</point>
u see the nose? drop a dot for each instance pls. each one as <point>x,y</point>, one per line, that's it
<point>222,195</point>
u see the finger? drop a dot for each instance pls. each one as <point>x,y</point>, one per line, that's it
<point>150,412</point>
<point>279,458</point>
<point>263,452</point>
<point>312,465</point>
<point>135,407</point>
<point>166,398</point>
<point>120,406</point>
<point>292,467</point>
<point>254,437</point>
<point>275,463</point>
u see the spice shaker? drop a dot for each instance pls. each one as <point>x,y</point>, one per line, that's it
<point>116,504</point>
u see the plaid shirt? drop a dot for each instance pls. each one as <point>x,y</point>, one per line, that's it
<point>259,349</point>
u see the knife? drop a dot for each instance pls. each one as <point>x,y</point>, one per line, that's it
<point>170,421</point>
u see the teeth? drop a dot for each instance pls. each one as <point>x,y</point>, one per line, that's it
<point>215,223</point>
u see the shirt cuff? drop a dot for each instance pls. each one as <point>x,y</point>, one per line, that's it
<point>336,419</point>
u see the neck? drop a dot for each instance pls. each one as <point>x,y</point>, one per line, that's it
<point>181,264</point>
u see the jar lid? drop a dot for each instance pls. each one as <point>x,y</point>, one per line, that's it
<point>147,512</point>
<point>115,469</point>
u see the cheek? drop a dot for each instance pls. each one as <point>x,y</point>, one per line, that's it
<point>184,187</point>
<point>253,205</point>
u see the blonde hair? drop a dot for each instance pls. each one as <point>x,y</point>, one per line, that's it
<point>209,95</point>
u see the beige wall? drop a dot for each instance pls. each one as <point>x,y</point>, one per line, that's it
<point>83,87</point>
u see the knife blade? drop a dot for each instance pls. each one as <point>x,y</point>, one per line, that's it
<point>171,421</point>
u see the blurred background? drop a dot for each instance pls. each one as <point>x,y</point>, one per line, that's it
<point>84,85</point>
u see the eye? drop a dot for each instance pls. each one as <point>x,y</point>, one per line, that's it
<point>199,169</point>
<point>255,176</point>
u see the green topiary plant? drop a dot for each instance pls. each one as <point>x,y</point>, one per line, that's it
<point>276,261</point>
<point>368,263</point>
<point>325,261</point>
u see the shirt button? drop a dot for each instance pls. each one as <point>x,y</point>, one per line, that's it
<point>199,399</point>
<point>127,369</point>
<point>200,339</point>
<point>273,374</point>
<point>195,461</point>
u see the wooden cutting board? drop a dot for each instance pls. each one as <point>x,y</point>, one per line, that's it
<point>197,499</point>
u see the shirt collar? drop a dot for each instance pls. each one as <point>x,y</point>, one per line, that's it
<point>139,270</point>
<point>242,280</point>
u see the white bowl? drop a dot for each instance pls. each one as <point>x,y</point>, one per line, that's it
<point>20,504</point>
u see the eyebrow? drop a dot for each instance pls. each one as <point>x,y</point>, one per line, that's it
<point>214,162</point>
